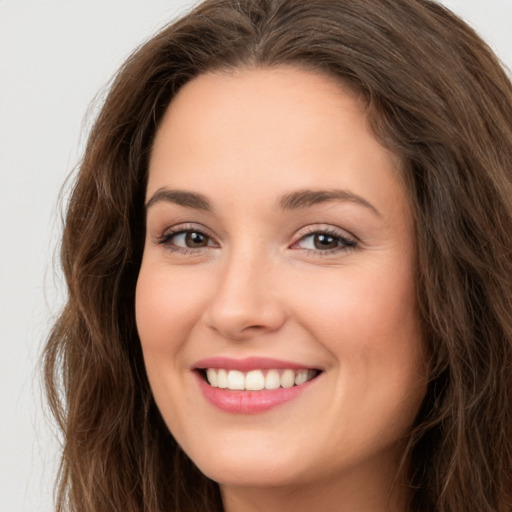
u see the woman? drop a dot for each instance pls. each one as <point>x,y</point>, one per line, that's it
<point>288,260</point>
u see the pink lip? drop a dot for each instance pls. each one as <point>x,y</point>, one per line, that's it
<point>248,402</point>
<point>247,364</point>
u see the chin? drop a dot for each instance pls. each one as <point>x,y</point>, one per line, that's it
<point>251,475</point>
<point>257,468</point>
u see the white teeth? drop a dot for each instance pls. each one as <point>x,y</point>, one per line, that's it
<point>236,380</point>
<point>301,377</point>
<point>288,379</point>
<point>256,380</point>
<point>272,380</point>
<point>211,375</point>
<point>222,379</point>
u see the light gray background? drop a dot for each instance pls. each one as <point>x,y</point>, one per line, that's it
<point>55,56</point>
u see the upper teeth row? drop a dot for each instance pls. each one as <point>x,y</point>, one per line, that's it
<point>257,379</point>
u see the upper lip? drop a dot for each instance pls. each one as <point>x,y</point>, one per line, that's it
<point>248,364</point>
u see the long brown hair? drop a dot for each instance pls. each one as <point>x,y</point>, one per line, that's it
<point>438,98</point>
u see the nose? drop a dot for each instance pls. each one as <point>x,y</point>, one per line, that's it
<point>245,303</point>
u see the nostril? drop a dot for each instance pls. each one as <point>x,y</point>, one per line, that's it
<point>255,327</point>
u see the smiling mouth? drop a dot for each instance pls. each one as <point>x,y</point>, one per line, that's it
<point>257,380</point>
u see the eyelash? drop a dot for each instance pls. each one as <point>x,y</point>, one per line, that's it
<point>166,238</point>
<point>345,243</point>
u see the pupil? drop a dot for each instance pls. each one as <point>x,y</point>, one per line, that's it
<point>195,240</point>
<point>325,242</point>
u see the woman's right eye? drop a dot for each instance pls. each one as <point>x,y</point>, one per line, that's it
<point>186,239</point>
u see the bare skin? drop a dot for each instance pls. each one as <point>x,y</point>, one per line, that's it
<point>277,227</point>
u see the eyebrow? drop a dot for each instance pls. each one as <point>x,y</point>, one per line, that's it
<point>291,201</point>
<point>181,198</point>
<point>306,198</point>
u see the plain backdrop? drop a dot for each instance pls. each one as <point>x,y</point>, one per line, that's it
<point>56,57</point>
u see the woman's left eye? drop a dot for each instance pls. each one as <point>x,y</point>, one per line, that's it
<point>325,241</point>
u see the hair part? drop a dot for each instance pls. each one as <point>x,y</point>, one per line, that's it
<point>436,97</point>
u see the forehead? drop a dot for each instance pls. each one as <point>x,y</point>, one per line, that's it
<point>252,106</point>
<point>272,129</point>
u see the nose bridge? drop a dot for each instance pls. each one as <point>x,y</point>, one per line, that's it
<point>245,301</point>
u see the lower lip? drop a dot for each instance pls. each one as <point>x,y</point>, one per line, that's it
<point>250,402</point>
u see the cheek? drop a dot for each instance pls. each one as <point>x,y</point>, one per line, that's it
<point>368,320</point>
<point>166,307</point>
<point>153,302</point>
<point>166,310</point>
<point>359,306</point>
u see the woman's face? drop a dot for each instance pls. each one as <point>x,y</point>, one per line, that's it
<point>279,254</point>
